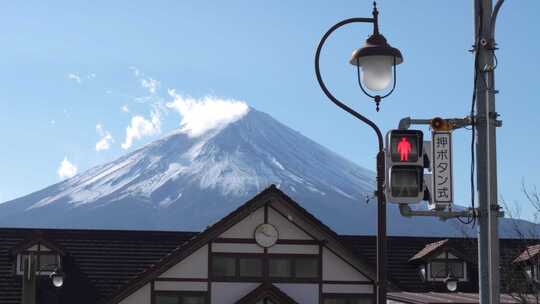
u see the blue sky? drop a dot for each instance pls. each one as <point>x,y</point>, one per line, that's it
<point>126,55</point>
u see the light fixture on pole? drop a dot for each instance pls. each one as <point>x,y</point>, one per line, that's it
<point>375,61</point>
<point>373,58</point>
<point>57,278</point>
<point>451,283</point>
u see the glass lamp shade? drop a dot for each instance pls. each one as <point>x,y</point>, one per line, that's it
<point>376,72</point>
<point>528,273</point>
<point>451,284</point>
<point>422,271</point>
<point>57,279</point>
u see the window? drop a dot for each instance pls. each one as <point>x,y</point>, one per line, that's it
<point>294,267</point>
<point>179,297</point>
<point>280,268</point>
<point>307,267</point>
<point>445,265</point>
<point>223,266</point>
<point>250,267</point>
<point>348,299</point>
<point>237,267</point>
<point>254,267</point>
<point>46,261</point>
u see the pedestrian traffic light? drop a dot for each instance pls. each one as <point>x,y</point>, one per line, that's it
<point>404,166</point>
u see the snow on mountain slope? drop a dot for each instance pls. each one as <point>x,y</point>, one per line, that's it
<point>186,182</point>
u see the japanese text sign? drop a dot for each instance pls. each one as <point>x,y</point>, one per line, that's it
<point>442,167</point>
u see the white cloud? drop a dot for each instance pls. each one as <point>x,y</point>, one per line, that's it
<point>75,77</point>
<point>150,84</point>
<point>125,108</point>
<point>202,115</point>
<point>106,139</point>
<point>66,169</point>
<point>91,76</point>
<point>140,127</point>
<point>53,122</point>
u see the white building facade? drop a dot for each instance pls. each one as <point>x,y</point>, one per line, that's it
<point>270,250</point>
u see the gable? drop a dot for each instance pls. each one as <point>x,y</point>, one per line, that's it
<point>36,243</point>
<point>271,214</point>
<point>141,296</point>
<point>299,233</point>
<point>37,247</point>
<point>268,291</point>
<point>287,230</point>
<point>336,268</point>
<point>193,266</point>
<point>244,228</point>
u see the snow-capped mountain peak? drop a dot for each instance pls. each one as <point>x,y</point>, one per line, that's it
<point>196,175</point>
<point>210,113</point>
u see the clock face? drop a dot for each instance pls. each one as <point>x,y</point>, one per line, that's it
<point>266,235</point>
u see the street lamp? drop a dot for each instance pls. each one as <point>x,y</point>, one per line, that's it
<point>57,278</point>
<point>451,283</point>
<point>375,60</point>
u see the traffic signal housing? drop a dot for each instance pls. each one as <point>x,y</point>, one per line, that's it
<point>404,166</point>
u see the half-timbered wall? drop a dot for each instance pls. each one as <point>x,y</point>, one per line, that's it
<point>297,238</point>
<point>141,296</point>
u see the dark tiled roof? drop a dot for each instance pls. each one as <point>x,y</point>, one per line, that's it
<point>104,259</point>
<point>529,253</point>
<point>446,297</point>
<point>429,249</point>
<point>107,260</point>
<point>404,274</point>
<point>107,265</point>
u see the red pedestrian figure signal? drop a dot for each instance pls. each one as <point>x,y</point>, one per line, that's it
<point>404,147</point>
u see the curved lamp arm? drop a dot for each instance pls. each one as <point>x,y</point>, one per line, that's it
<point>494,18</point>
<point>325,89</point>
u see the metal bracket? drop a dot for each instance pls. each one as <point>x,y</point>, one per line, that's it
<point>455,123</point>
<point>497,208</point>
<point>406,211</point>
<point>481,119</point>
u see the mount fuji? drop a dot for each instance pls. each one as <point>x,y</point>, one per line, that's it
<point>186,182</point>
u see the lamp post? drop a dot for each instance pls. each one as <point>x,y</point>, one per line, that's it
<point>374,63</point>
<point>30,278</point>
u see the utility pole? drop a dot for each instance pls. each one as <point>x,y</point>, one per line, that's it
<point>486,157</point>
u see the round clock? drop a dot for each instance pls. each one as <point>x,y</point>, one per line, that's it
<point>266,235</point>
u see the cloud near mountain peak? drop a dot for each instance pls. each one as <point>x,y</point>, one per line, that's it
<point>200,115</point>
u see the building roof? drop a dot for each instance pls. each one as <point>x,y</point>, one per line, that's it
<point>111,263</point>
<point>106,259</point>
<point>36,238</point>
<point>449,297</point>
<point>267,291</point>
<point>429,249</point>
<point>457,247</point>
<point>221,226</point>
<point>109,259</point>
<point>529,253</point>
<point>405,274</point>
<point>400,250</point>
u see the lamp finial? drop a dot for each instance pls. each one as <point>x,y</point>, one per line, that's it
<point>375,19</point>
